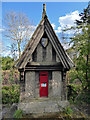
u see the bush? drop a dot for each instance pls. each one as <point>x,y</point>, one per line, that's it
<point>68,113</point>
<point>7,63</point>
<point>73,91</point>
<point>10,77</point>
<point>84,97</point>
<point>68,110</point>
<point>10,94</point>
<point>5,87</point>
<point>18,114</point>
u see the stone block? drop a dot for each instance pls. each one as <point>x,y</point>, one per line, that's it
<point>36,84</point>
<point>56,83</point>
<point>30,84</point>
<point>49,52</point>
<point>57,58</point>
<point>39,53</point>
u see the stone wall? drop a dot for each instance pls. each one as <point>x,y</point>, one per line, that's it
<point>56,83</point>
<point>39,53</point>
<point>49,52</point>
<point>57,58</point>
<point>45,54</point>
<point>50,94</point>
<point>37,84</point>
<point>64,86</point>
<point>30,84</point>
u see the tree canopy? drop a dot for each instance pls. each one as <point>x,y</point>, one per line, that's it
<point>81,46</point>
<point>7,63</point>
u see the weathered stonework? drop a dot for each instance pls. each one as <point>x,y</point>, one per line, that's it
<point>56,83</point>
<point>37,84</point>
<point>57,58</point>
<point>22,91</point>
<point>30,84</point>
<point>64,93</point>
<point>49,52</point>
<point>39,53</point>
<point>40,106</point>
<point>50,84</point>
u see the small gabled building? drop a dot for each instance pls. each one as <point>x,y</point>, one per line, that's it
<point>43,65</point>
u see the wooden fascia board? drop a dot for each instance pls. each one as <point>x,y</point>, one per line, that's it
<point>44,68</point>
<point>61,50</point>
<point>38,38</point>
<point>54,45</point>
<point>31,39</point>
<point>64,54</point>
<point>70,62</point>
<point>48,31</point>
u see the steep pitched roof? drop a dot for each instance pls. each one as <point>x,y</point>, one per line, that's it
<point>44,26</point>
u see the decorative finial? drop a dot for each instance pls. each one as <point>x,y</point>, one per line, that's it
<point>44,10</point>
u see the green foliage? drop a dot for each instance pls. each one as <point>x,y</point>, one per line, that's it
<point>10,77</point>
<point>84,97</point>
<point>81,45</point>
<point>7,63</point>
<point>18,114</point>
<point>73,91</point>
<point>5,87</point>
<point>68,113</point>
<point>81,49</point>
<point>68,110</point>
<point>10,94</point>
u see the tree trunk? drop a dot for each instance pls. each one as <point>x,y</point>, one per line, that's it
<point>19,48</point>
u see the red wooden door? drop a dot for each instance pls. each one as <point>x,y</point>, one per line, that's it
<point>43,81</point>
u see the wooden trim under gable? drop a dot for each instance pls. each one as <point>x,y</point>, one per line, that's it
<point>36,41</point>
<point>64,55</point>
<point>29,45</point>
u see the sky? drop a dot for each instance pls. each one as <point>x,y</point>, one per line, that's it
<point>59,14</point>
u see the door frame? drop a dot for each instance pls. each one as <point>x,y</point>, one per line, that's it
<point>41,76</point>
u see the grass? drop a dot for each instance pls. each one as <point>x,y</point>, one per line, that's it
<point>18,114</point>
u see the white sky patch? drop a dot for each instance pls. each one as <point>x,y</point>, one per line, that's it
<point>68,21</point>
<point>66,46</point>
<point>53,25</point>
<point>59,30</point>
<point>1,30</point>
<point>28,32</point>
<point>9,53</point>
<point>31,30</point>
<point>6,53</point>
<point>0,46</point>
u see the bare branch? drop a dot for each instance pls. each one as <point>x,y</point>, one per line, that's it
<point>17,28</point>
